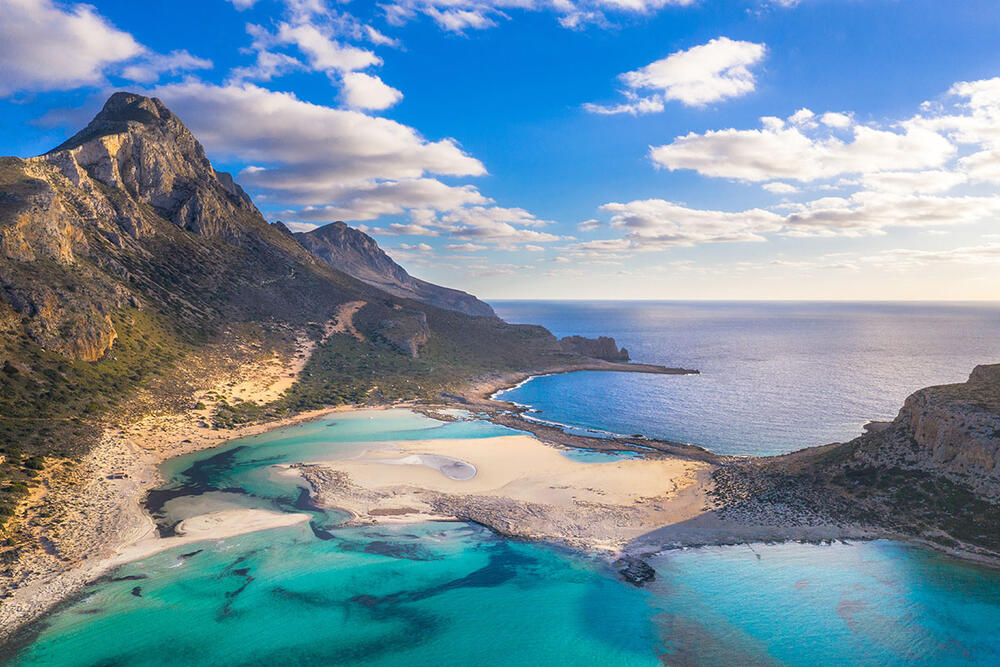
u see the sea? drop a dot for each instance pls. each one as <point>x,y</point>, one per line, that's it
<point>773,376</point>
<point>451,593</point>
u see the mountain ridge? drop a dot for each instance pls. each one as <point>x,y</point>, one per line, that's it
<point>359,255</point>
<point>125,258</point>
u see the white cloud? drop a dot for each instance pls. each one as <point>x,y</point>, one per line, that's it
<point>984,254</point>
<point>416,247</point>
<point>243,4</point>
<point>301,226</point>
<point>698,76</point>
<point>48,47</point>
<point>779,188</point>
<point>153,65</point>
<point>461,15</point>
<point>635,105</point>
<point>783,151</point>
<point>983,166</point>
<point>838,120</point>
<point>652,224</point>
<point>365,91</point>
<point>589,225</point>
<point>496,224</point>
<point>369,201</point>
<point>871,212</point>
<point>269,65</point>
<point>344,164</point>
<point>904,182</point>
<point>656,224</point>
<point>465,247</point>
<point>322,51</point>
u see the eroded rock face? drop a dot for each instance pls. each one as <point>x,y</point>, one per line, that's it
<point>406,330</point>
<point>597,348</point>
<point>34,223</point>
<point>952,431</point>
<point>135,144</point>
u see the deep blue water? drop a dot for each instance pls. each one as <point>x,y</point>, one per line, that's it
<point>774,376</point>
<point>454,594</point>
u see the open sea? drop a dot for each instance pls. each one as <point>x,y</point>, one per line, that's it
<point>775,376</point>
<point>455,594</point>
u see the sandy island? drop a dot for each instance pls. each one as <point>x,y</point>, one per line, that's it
<point>520,486</point>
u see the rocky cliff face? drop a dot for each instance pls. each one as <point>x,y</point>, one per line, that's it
<point>597,348</point>
<point>951,431</point>
<point>931,474</point>
<point>129,213</point>
<point>137,146</point>
<point>357,254</point>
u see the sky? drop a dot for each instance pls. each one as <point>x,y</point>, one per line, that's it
<point>572,149</point>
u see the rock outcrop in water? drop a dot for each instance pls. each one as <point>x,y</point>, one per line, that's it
<point>602,347</point>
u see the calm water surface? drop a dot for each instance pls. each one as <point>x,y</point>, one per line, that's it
<point>774,376</point>
<point>455,594</point>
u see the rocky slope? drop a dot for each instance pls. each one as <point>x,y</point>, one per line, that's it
<point>931,474</point>
<point>124,256</point>
<point>357,254</point>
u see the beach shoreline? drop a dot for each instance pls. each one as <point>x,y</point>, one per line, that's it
<point>626,531</point>
<point>109,484</point>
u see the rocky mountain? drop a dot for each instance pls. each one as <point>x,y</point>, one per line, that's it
<point>124,255</point>
<point>357,254</point>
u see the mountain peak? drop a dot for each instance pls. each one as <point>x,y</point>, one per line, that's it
<point>124,112</point>
<point>136,144</point>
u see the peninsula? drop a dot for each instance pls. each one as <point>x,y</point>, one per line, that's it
<point>148,310</point>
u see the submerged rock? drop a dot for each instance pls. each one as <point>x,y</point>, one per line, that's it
<point>636,571</point>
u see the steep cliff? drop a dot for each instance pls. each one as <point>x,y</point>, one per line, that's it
<point>357,254</point>
<point>932,473</point>
<point>951,431</point>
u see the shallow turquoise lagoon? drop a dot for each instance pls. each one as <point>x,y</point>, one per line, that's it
<point>454,594</point>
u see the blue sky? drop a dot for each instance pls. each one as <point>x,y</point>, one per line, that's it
<point>573,148</point>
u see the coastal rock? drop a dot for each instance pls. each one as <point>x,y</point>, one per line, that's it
<point>636,571</point>
<point>602,347</point>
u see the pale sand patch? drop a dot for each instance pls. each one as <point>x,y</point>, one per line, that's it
<point>343,321</point>
<point>212,526</point>
<point>522,487</point>
<point>523,468</point>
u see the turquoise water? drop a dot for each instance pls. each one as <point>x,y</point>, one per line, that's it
<point>775,377</point>
<point>454,594</point>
